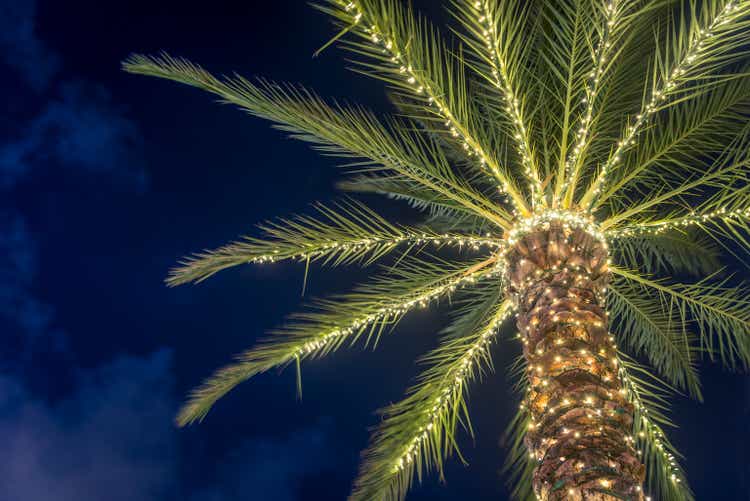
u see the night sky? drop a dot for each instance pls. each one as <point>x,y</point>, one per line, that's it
<point>107,179</point>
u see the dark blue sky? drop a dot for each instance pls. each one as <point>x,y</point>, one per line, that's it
<point>106,179</point>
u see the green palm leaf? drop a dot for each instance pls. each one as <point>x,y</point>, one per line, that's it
<point>718,310</point>
<point>419,432</point>
<point>352,233</point>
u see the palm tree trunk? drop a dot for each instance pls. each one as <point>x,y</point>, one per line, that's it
<point>580,420</point>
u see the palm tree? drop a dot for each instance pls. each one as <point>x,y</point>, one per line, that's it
<point>575,155</point>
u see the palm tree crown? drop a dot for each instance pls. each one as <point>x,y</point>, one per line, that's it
<point>622,121</point>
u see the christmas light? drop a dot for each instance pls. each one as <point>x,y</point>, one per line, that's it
<point>692,219</point>
<point>613,12</point>
<point>650,436</point>
<point>363,244</point>
<point>690,59</point>
<point>453,383</point>
<point>389,311</point>
<point>501,81</point>
<point>423,88</point>
<point>551,260</point>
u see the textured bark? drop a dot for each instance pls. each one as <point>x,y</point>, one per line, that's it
<point>581,421</point>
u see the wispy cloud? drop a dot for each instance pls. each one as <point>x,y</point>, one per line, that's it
<point>111,439</point>
<point>109,434</point>
<point>80,127</point>
<point>20,47</point>
<point>26,321</point>
<point>81,130</point>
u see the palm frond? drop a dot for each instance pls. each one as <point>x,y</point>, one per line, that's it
<point>620,89</point>
<point>348,233</point>
<point>402,188</point>
<point>613,22</point>
<point>448,224</point>
<point>366,311</point>
<point>352,133</point>
<point>418,433</point>
<point>569,25</point>
<point>668,252</point>
<point>626,117</point>
<point>519,464</point>
<point>648,327</point>
<point>664,476</point>
<point>720,313</point>
<point>497,35</point>
<point>705,38</point>
<point>406,52</point>
<point>722,178</point>
<point>722,214</point>
<point>683,134</point>
<point>725,224</point>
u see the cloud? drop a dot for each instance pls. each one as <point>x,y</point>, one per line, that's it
<point>81,130</point>
<point>111,439</point>
<point>17,257</point>
<point>111,435</point>
<point>20,47</point>
<point>25,320</point>
<point>267,469</point>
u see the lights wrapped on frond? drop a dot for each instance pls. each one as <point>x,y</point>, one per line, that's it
<point>613,12</point>
<point>366,311</point>
<point>709,46</point>
<point>352,133</point>
<point>417,62</point>
<point>497,45</point>
<point>667,151</point>
<point>681,222</point>
<point>418,433</point>
<point>349,233</point>
<point>649,398</point>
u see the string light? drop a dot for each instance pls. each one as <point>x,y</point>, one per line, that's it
<point>600,56</point>
<point>650,436</point>
<point>585,350</point>
<point>364,244</point>
<point>689,60</point>
<point>530,222</point>
<point>501,80</point>
<point>523,227</point>
<point>454,380</point>
<point>422,88</point>
<point>692,219</point>
<point>572,219</point>
<point>568,219</point>
<point>422,299</point>
<point>601,362</point>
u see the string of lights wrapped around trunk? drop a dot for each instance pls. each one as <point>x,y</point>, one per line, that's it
<point>580,419</point>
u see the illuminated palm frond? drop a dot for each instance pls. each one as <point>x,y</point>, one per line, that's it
<point>351,233</point>
<point>719,312</point>
<point>367,311</point>
<point>418,433</point>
